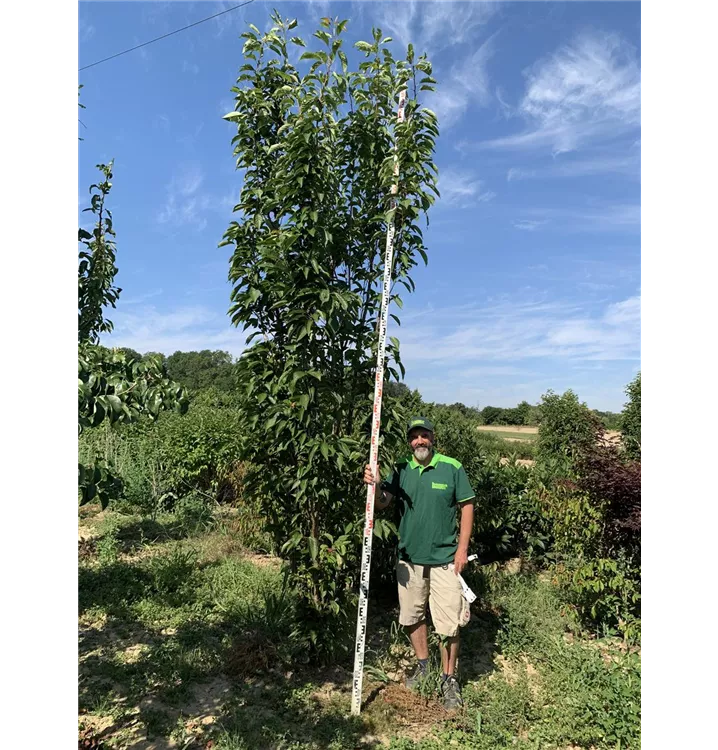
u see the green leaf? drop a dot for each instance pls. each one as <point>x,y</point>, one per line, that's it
<point>313,547</point>
<point>115,403</point>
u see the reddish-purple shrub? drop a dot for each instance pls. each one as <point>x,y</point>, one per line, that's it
<point>609,478</point>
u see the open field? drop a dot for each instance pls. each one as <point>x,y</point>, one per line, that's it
<point>529,433</point>
<point>511,432</point>
<point>526,430</point>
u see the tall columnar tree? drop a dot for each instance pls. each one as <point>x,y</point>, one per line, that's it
<point>631,419</point>
<point>111,386</point>
<point>317,149</point>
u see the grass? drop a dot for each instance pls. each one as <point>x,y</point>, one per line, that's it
<point>493,442</point>
<point>185,636</point>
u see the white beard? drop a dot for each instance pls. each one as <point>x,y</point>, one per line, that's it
<point>421,454</point>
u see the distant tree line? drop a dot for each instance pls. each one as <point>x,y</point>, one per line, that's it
<point>199,371</point>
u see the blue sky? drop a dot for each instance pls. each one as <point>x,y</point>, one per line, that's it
<point>534,268</point>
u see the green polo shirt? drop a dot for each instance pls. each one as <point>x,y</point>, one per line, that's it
<point>428,497</point>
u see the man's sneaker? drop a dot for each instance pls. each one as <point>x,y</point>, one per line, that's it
<point>413,681</point>
<point>451,693</point>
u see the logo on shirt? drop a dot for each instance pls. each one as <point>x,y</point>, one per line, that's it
<point>439,486</point>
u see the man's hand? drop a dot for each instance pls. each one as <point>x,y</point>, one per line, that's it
<point>460,560</point>
<point>382,497</point>
<point>369,476</point>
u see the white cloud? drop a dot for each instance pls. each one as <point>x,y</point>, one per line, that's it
<point>190,139</point>
<point>235,20</point>
<point>435,25</point>
<point>141,298</point>
<point>513,330</point>
<point>157,14</point>
<point>448,104</point>
<point>319,8</point>
<point>493,351</point>
<point>471,73</point>
<point>529,226</point>
<point>627,312</point>
<point>183,205</point>
<point>589,90</point>
<point>591,218</point>
<point>86,29</point>
<point>506,110</point>
<point>188,67</point>
<point>460,188</point>
<point>488,338</point>
<point>467,83</point>
<point>518,174</point>
<point>162,122</point>
<point>190,328</point>
<point>627,164</point>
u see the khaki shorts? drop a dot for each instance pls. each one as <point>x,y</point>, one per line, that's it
<point>441,589</point>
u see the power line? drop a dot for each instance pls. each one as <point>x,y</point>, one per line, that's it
<point>164,36</point>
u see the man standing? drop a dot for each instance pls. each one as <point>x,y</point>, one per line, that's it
<point>430,488</point>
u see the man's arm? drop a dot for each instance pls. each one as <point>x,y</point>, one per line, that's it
<point>465,497</point>
<point>466,523</point>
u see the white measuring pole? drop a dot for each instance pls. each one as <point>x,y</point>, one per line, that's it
<point>360,643</point>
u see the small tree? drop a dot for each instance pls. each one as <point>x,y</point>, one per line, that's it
<point>523,413</point>
<point>111,386</point>
<point>568,428</point>
<point>318,153</point>
<point>198,371</point>
<point>492,415</point>
<point>631,419</point>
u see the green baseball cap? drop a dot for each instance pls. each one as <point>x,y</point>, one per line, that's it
<point>419,422</point>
